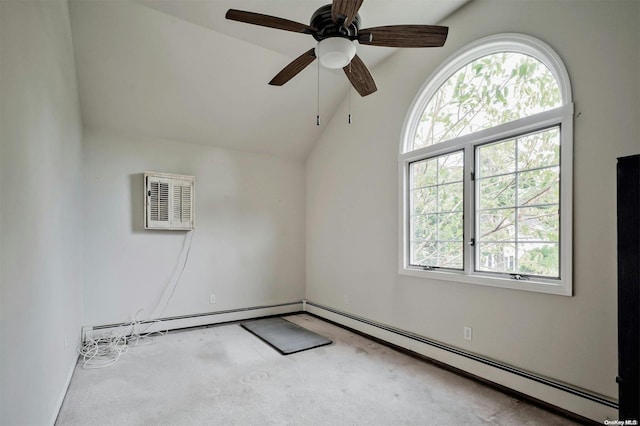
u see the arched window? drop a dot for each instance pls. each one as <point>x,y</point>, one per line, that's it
<point>485,164</point>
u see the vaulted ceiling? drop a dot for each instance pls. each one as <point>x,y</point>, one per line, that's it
<point>177,69</point>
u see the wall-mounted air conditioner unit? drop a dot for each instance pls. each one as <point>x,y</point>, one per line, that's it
<point>169,201</point>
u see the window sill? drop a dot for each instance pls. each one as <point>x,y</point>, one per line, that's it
<point>538,285</point>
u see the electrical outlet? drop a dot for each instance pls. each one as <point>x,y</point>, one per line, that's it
<point>66,342</point>
<point>212,298</point>
<point>346,299</point>
<point>468,333</point>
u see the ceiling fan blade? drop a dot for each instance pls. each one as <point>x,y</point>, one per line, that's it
<point>404,36</point>
<point>360,77</point>
<point>347,8</point>
<point>268,21</point>
<point>291,70</point>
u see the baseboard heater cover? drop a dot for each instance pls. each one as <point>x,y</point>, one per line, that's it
<point>487,361</point>
<point>198,320</point>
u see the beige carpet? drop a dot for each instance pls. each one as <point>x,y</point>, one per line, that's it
<point>224,375</point>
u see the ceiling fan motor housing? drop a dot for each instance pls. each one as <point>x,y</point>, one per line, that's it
<point>326,28</point>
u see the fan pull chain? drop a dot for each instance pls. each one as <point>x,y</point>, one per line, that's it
<point>350,90</point>
<point>318,106</point>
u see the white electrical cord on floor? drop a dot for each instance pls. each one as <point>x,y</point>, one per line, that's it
<point>106,350</point>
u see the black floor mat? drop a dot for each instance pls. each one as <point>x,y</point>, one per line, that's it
<point>285,336</point>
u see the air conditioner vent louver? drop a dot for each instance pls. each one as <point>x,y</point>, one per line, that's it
<point>159,201</point>
<point>169,201</point>
<point>182,202</point>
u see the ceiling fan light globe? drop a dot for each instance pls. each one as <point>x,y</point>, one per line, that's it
<point>335,52</point>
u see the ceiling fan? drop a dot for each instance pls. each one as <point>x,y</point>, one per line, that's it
<point>336,26</point>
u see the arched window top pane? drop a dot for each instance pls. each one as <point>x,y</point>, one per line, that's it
<point>494,89</point>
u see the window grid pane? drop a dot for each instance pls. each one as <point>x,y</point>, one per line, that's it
<point>518,212</point>
<point>436,211</point>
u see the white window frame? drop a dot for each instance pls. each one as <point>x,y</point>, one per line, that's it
<point>561,116</point>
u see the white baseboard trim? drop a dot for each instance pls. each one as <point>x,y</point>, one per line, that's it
<point>194,320</point>
<point>60,400</point>
<point>581,402</point>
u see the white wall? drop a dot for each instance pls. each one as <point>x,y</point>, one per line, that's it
<point>352,200</point>
<point>248,243</point>
<point>40,217</point>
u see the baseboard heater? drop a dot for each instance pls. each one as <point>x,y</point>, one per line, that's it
<point>197,320</point>
<point>309,306</point>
